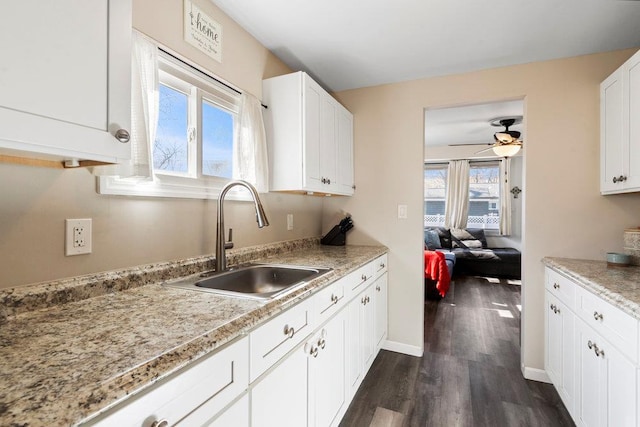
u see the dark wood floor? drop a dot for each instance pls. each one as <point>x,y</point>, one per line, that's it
<point>469,374</point>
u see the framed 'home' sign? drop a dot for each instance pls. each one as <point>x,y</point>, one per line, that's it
<point>201,31</point>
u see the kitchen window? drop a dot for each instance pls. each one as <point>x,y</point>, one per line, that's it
<point>192,154</point>
<point>484,195</point>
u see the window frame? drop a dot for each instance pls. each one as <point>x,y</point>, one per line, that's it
<point>193,184</point>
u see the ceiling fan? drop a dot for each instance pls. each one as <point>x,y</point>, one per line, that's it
<point>507,143</point>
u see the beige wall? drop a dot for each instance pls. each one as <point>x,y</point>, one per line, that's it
<point>132,231</point>
<point>563,213</point>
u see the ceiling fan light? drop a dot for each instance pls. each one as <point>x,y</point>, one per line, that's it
<point>506,150</point>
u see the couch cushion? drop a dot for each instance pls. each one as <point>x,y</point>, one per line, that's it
<point>469,238</point>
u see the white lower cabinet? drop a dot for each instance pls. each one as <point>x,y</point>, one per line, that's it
<point>380,293</point>
<point>280,397</point>
<point>361,344</point>
<point>590,355</point>
<point>236,415</point>
<point>327,373</point>
<point>606,381</point>
<point>559,354</point>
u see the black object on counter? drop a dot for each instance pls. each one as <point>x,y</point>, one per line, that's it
<point>337,235</point>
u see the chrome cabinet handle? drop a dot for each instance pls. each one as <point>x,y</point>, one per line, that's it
<point>556,286</point>
<point>363,301</point>
<point>599,352</point>
<point>321,343</point>
<point>323,180</point>
<point>123,136</point>
<point>590,345</point>
<point>314,351</point>
<point>554,308</point>
<point>289,331</point>
<point>161,423</point>
<point>378,288</point>
<point>364,277</point>
<point>382,265</point>
<point>598,316</point>
<point>615,179</point>
<point>334,299</point>
<point>367,299</point>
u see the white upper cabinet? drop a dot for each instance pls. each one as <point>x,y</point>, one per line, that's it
<point>310,137</point>
<point>620,129</point>
<point>65,79</point>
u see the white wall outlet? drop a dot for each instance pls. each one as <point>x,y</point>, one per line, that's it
<point>402,211</point>
<point>289,221</point>
<point>77,236</point>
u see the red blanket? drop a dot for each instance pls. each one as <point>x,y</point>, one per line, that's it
<point>435,268</point>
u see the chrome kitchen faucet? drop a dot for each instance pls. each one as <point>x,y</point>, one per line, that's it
<point>221,245</point>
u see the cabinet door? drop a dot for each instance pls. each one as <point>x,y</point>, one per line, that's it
<point>611,125</point>
<point>367,327</point>
<point>312,95</point>
<point>606,382</point>
<point>631,122</point>
<point>328,152</point>
<point>327,373</point>
<point>353,346</point>
<point>344,141</point>
<point>559,349</point>
<point>380,294</point>
<point>280,398</point>
<point>65,78</point>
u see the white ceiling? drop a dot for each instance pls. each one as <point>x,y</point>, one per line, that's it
<point>348,44</point>
<point>468,124</point>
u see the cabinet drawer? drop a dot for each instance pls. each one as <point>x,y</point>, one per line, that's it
<point>329,301</point>
<point>380,265</point>
<point>356,281</point>
<point>561,287</point>
<point>279,335</point>
<point>613,324</point>
<point>213,382</point>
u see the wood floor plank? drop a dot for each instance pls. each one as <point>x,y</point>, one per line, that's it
<point>470,372</point>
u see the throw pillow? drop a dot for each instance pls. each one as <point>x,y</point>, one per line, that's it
<point>432,240</point>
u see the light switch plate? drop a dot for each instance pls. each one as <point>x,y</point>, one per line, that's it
<point>402,211</point>
<point>77,236</point>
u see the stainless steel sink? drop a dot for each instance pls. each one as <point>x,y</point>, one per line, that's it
<point>257,281</point>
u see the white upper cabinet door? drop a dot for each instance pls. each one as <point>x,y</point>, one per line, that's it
<point>312,125</point>
<point>620,129</point>
<point>328,144</point>
<point>344,138</point>
<point>611,154</point>
<point>632,138</point>
<point>65,79</point>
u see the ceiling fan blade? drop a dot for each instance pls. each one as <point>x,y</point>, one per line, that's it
<point>486,149</point>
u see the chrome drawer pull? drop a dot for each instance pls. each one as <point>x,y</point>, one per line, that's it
<point>364,277</point>
<point>161,423</point>
<point>334,298</point>
<point>590,345</point>
<point>289,331</point>
<point>598,316</point>
<point>556,286</point>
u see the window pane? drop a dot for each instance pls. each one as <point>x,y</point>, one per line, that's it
<point>217,141</point>
<point>484,197</point>
<point>170,150</point>
<point>435,191</point>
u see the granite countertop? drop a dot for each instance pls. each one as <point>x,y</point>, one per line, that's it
<point>63,362</point>
<point>617,285</point>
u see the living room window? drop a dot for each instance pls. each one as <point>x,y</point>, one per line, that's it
<point>484,195</point>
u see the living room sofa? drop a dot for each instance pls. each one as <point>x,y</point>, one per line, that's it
<point>472,254</point>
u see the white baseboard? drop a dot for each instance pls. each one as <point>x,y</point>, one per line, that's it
<point>534,374</point>
<point>399,347</point>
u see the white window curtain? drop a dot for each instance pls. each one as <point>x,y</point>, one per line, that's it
<point>505,199</point>
<point>144,112</point>
<point>457,202</point>
<point>250,160</point>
